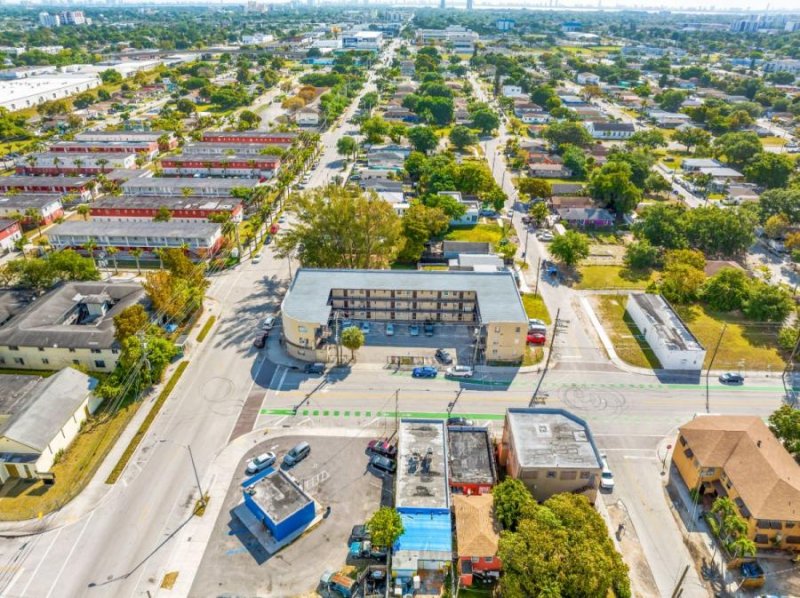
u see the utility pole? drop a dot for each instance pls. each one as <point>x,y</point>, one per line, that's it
<point>710,363</point>
<point>396,411</point>
<point>538,270</point>
<point>547,362</point>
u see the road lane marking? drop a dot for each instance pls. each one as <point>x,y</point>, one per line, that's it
<point>42,560</point>
<point>69,555</point>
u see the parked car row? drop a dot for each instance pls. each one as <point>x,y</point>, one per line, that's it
<point>261,462</point>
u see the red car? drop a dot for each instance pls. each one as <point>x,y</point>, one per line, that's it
<point>382,447</point>
<point>536,338</point>
<point>274,228</point>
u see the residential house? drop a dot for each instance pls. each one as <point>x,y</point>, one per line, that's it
<point>696,164</point>
<point>551,451</point>
<point>39,418</point>
<point>587,79</point>
<point>477,538</point>
<point>512,91</point>
<point>609,130</point>
<point>738,457</point>
<point>559,202</point>
<point>547,170</point>
<point>586,217</point>
<point>471,214</point>
<point>308,117</point>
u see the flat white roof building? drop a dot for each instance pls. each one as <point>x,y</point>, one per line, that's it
<point>19,94</point>
<point>669,338</point>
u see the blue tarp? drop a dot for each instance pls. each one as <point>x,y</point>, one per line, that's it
<point>425,530</point>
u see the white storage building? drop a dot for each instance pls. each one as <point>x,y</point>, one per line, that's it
<point>669,338</point>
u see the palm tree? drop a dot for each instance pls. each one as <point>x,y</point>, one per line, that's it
<point>136,253</point>
<point>31,159</point>
<point>83,210</point>
<point>742,546</point>
<point>19,245</point>
<point>90,246</point>
<point>112,251</point>
<point>32,215</point>
<point>57,164</point>
<point>734,527</point>
<point>77,162</point>
<point>102,162</point>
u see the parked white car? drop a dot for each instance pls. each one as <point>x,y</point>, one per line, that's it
<point>460,371</point>
<point>606,476</point>
<point>261,462</point>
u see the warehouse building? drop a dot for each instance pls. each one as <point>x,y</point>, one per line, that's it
<point>71,325</point>
<point>489,302</point>
<point>176,186</point>
<point>144,208</point>
<point>551,451</point>
<point>666,334</point>
<point>27,92</point>
<point>199,240</point>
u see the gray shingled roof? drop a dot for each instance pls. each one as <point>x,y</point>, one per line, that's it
<point>498,297</point>
<point>53,402</point>
<point>186,183</point>
<point>40,324</point>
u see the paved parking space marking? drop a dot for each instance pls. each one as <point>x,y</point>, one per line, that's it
<point>387,414</point>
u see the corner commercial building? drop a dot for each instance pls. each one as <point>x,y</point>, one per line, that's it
<point>550,451</point>
<point>319,299</point>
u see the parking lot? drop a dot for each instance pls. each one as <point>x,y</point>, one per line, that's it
<point>336,475</point>
<point>379,347</point>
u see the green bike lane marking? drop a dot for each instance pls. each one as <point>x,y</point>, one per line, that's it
<point>392,414</point>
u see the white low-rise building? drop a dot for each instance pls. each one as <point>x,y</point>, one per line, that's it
<point>27,92</point>
<point>670,339</point>
<point>308,117</point>
<point>512,91</point>
<point>587,79</point>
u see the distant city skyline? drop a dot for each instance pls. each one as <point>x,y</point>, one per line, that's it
<point>751,6</point>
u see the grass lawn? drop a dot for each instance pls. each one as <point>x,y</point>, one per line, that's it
<point>535,307</point>
<point>672,162</point>
<point>625,336</point>
<point>749,345</point>
<point>72,472</point>
<point>773,140</point>
<point>613,277</point>
<point>533,355</point>
<point>480,233</point>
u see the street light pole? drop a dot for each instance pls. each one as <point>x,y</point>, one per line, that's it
<point>196,476</point>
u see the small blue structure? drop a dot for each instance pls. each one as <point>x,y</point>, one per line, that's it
<point>278,502</point>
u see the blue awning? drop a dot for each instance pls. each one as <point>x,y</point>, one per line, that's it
<point>427,531</point>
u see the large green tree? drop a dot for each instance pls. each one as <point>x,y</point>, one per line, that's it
<point>342,227</point>
<point>385,527</point>
<point>423,139</point>
<point>770,170</point>
<point>785,424</point>
<point>561,548</point>
<point>612,186</point>
<point>511,497</point>
<point>420,223</point>
<point>570,248</point>
<point>573,133</point>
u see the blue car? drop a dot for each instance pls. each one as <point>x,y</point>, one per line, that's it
<point>425,371</point>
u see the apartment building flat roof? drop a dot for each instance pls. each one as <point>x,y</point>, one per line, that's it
<point>170,201</point>
<point>215,147</point>
<point>497,294</point>
<point>44,181</point>
<point>184,230</point>
<point>552,438</point>
<point>54,319</point>
<point>23,201</point>
<point>422,465</point>
<point>188,183</point>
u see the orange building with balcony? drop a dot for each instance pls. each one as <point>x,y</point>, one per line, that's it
<point>737,456</point>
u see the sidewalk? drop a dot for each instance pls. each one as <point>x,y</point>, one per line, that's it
<point>97,491</point>
<point>189,545</point>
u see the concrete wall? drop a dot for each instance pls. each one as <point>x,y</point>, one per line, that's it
<point>505,341</point>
